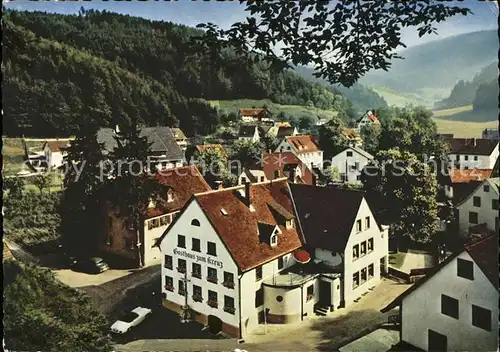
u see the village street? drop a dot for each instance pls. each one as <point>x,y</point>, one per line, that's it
<point>327,333</point>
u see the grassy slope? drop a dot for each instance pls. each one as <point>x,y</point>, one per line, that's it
<point>396,98</point>
<point>292,110</point>
<point>464,121</point>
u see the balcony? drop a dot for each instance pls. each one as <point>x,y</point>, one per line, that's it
<point>212,279</point>
<point>212,303</point>
<point>228,284</point>
<point>196,274</point>
<point>197,298</point>
<point>181,269</point>
<point>230,310</point>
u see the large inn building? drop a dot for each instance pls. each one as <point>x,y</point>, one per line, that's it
<point>270,252</point>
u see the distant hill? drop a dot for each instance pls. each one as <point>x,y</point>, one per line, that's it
<point>432,69</point>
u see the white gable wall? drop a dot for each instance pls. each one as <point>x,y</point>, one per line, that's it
<point>316,158</point>
<point>475,161</point>
<point>485,213</point>
<point>347,164</point>
<point>421,310</point>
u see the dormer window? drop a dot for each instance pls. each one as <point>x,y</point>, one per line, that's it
<point>152,203</point>
<point>289,224</point>
<point>274,240</point>
<point>170,196</point>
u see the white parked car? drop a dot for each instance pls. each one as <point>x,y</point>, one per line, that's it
<point>129,320</point>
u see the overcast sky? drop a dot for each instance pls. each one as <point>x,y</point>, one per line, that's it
<point>192,12</point>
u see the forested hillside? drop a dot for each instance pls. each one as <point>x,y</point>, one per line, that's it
<point>465,92</point>
<point>59,69</point>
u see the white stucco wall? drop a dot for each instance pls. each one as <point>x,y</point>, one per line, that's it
<point>205,233</point>
<point>315,158</point>
<point>346,164</point>
<point>152,253</point>
<point>482,162</point>
<point>258,174</point>
<point>421,310</point>
<point>485,213</point>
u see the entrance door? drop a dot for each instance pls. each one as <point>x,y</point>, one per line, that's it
<point>383,269</point>
<point>325,293</point>
<point>437,342</point>
<point>214,324</point>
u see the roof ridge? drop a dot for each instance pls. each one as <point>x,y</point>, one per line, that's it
<point>480,240</point>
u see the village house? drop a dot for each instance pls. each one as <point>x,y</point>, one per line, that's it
<point>455,307</point>
<point>305,147</point>
<point>352,137</point>
<point>480,208</point>
<point>368,119</point>
<point>490,133</point>
<point>250,133</point>
<point>136,247</point>
<point>281,130</point>
<point>350,163</point>
<point>180,138</point>
<point>277,165</point>
<point>460,183</point>
<point>472,153</point>
<point>165,153</point>
<point>235,258</point>
<point>54,152</point>
<point>255,115</point>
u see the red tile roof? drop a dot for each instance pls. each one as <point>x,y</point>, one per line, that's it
<point>463,175</point>
<point>304,143</point>
<point>350,134</point>
<point>184,182</point>
<point>472,146</point>
<point>483,251</point>
<point>239,228</point>
<point>253,112</point>
<point>281,162</point>
<point>57,146</point>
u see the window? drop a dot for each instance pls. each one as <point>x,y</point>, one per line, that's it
<point>212,299</point>
<point>367,222</point>
<point>170,196</point>
<point>262,179</point>
<point>466,168</point>
<point>181,265</point>
<point>212,275</point>
<point>165,220</point>
<point>229,304</point>
<point>475,157</point>
<point>476,201</point>
<point>258,273</point>
<point>481,317</point>
<point>196,245</point>
<point>279,298</point>
<point>243,179</point>
<point>211,248</point>
<point>259,297</point>
<point>494,204</point>
<point>356,165</point>
<point>310,292</point>
<point>276,174</point>
<point>472,217</point>
<point>466,157</point>
<point>181,241</point>
<point>358,226</point>
<point>182,288</point>
<point>355,252</point>
<point>370,271</point>
<point>449,306</point>
<point>196,270</point>
<point>458,157</point>
<point>355,280</point>
<point>168,262</point>
<point>465,269</point>
<point>197,294</point>
<point>436,341</point>
<point>228,280</point>
<point>486,188</point>
<point>169,283</point>
<point>370,245</point>
<point>363,275</point>
<point>280,263</point>
<point>195,222</point>
<point>349,154</point>
<point>274,240</point>
<point>363,248</point>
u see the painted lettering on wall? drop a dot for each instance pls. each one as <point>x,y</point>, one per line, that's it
<point>198,258</point>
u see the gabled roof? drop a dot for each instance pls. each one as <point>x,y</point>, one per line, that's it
<point>239,228</point>
<point>304,143</point>
<point>184,181</point>
<point>284,131</point>
<point>281,162</point>
<point>359,151</point>
<point>351,135</point>
<point>203,147</point>
<point>253,112</point>
<point>326,214</point>
<point>178,134</point>
<point>472,146</point>
<point>161,138</point>
<point>483,251</point>
<point>247,130</point>
<point>371,116</point>
<point>463,190</point>
<point>57,146</point>
<point>467,175</point>
<point>492,182</point>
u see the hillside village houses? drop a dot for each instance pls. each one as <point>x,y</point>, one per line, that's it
<point>367,119</point>
<point>455,307</point>
<point>272,166</point>
<point>165,153</point>
<point>472,153</point>
<point>272,251</point>
<point>490,133</point>
<point>480,208</point>
<point>180,138</point>
<point>305,147</point>
<point>54,152</point>
<point>281,130</point>
<point>350,162</point>
<point>352,137</point>
<point>136,247</point>
<point>255,115</point>
<point>250,133</point>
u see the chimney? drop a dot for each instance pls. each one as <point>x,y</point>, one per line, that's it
<point>246,197</point>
